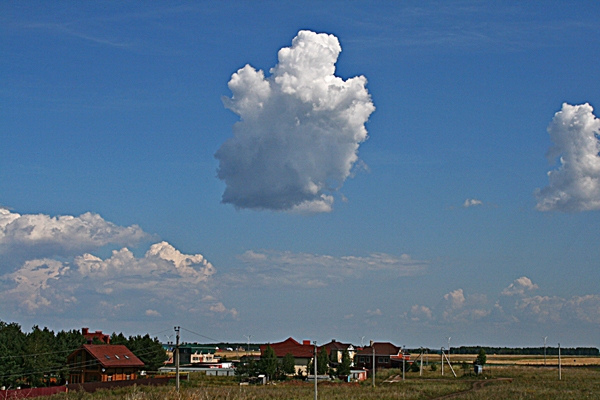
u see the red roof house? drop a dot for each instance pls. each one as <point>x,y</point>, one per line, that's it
<point>386,356</point>
<point>101,363</point>
<point>91,335</point>
<point>302,353</point>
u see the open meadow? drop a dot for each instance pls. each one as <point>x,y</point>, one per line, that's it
<point>497,382</point>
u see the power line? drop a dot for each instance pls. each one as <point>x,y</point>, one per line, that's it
<point>205,337</point>
<point>75,365</point>
<point>38,354</point>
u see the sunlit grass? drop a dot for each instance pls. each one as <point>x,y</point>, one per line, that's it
<point>519,383</point>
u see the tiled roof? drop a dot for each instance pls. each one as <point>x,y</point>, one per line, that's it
<point>290,346</point>
<point>335,345</point>
<point>110,355</point>
<point>381,349</point>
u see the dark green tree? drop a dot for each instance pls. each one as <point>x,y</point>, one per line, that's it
<point>12,344</point>
<point>65,343</point>
<point>288,365</point>
<point>269,364</point>
<point>415,366</point>
<point>149,351</point>
<point>247,368</point>
<point>39,346</point>
<point>481,358</point>
<point>322,362</point>
<point>344,367</point>
<point>118,339</point>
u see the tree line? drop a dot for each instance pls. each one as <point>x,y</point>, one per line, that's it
<point>39,358</point>
<point>528,351</point>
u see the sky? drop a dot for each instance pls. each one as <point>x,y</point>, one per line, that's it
<point>402,171</point>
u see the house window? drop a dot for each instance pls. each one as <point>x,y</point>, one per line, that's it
<point>109,378</point>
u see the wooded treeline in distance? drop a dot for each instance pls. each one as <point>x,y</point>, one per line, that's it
<point>525,351</point>
<point>39,358</point>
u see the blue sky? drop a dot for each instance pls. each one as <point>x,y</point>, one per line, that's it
<point>113,112</point>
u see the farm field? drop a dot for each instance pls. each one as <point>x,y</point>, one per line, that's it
<point>566,361</point>
<point>497,382</point>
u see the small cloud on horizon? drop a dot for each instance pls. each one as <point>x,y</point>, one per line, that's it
<point>471,203</point>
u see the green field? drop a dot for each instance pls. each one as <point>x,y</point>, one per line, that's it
<point>510,382</point>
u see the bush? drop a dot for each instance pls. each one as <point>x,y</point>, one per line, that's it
<point>433,367</point>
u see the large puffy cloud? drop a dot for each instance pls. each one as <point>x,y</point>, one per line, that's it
<point>268,268</point>
<point>299,130</point>
<point>160,282</point>
<point>575,185</point>
<point>29,236</point>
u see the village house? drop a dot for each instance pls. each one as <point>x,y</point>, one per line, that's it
<point>387,355</point>
<point>102,363</point>
<point>90,336</point>
<point>190,353</point>
<point>302,353</point>
<point>337,348</point>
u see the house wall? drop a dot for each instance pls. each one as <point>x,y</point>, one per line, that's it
<point>85,368</point>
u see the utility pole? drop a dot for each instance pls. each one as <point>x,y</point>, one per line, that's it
<point>316,393</point>
<point>421,366</point>
<point>248,347</point>
<point>545,337</point>
<point>442,355</point>
<point>559,364</point>
<point>403,362</point>
<point>448,337</point>
<point>177,359</point>
<point>373,346</point>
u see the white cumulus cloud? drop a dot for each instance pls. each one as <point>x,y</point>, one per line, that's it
<point>575,185</point>
<point>519,287</point>
<point>299,131</point>
<point>120,285</point>
<point>31,236</point>
<point>471,202</point>
<point>514,305</point>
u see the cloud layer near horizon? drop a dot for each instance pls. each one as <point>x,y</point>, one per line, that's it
<point>59,279</point>
<point>299,130</point>
<point>284,270</point>
<point>515,304</point>
<point>575,185</point>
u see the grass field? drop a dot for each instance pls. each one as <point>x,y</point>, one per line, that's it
<point>498,382</point>
<point>522,359</point>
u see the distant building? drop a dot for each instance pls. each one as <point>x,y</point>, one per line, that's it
<point>91,335</point>
<point>387,355</point>
<point>195,353</point>
<point>102,363</point>
<point>337,348</point>
<point>302,353</point>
